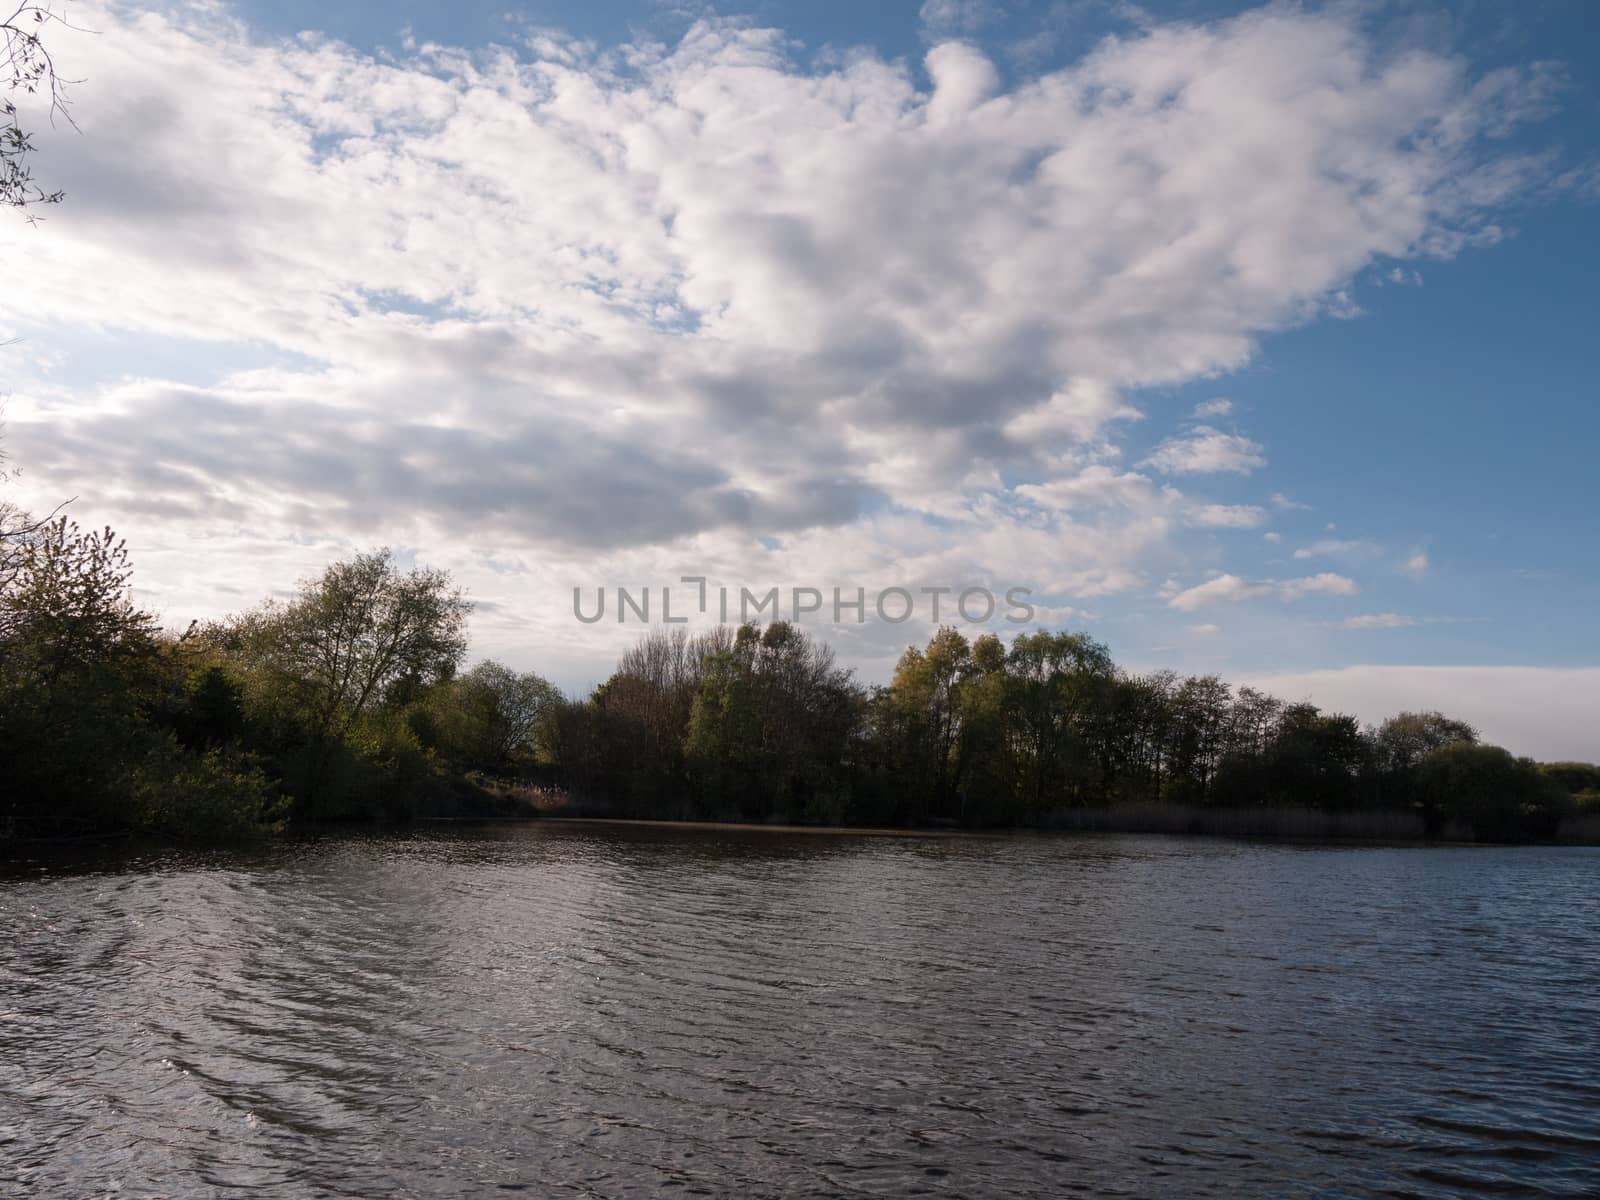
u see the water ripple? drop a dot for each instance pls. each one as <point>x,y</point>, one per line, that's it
<point>599,1011</point>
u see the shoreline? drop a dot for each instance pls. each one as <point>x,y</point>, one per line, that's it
<point>1296,826</point>
<point>1002,834</point>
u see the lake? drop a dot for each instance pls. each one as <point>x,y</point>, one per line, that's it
<point>593,1010</point>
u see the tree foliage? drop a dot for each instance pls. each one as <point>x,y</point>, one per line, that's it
<point>978,733</point>
<point>347,701</point>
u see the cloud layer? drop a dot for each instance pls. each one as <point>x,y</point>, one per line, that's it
<point>1531,710</point>
<point>558,314</point>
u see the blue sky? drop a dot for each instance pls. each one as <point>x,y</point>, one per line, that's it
<point>1253,340</point>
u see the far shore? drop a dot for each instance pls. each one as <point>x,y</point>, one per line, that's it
<point>1305,826</point>
<point>1310,826</point>
<point>745,826</point>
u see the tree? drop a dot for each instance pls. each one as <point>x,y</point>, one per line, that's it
<point>65,605</point>
<point>1315,758</point>
<point>32,71</point>
<point>361,627</point>
<point>1499,797</point>
<point>1402,741</point>
<point>1198,730</point>
<point>770,726</point>
<point>75,653</point>
<point>1055,682</point>
<point>491,714</point>
<point>927,689</point>
<point>320,666</point>
<point>18,530</point>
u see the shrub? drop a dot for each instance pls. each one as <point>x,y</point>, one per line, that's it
<point>218,794</point>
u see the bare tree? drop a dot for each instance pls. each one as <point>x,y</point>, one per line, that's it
<point>19,529</point>
<point>32,72</point>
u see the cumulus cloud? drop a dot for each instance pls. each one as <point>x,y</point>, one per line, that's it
<point>1213,408</point>
<point>1231,589</point>
<point>1206,451</point>
<point>608,311</point>
<point>1416,564</point>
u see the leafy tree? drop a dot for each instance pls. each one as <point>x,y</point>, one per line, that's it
<point>1315,758</point>
<point>66,605</point>
<point>1055,682</point>
<point>360,627</point>
<point>73,653</point>
<point>927,688</point>
<point>770,726</point>
<point>1405,739</point>
<point>491,714</point>
<point>1576,777</point>
<point>1198,734</point>
<point>80,680</point>
<point>324,663</point>
<point>1498,796</point>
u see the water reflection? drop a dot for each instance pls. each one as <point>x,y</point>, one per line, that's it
<point>623,1011</point>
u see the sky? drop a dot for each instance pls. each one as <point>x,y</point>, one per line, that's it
<point>1252,340</point>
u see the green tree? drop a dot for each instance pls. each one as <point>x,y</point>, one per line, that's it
<point>1501,798</point>
<point>1315,759</point>
<point>75,653</point>
<point>320,667</point>
<point>1055,684</point>
<point>492,714</point>
<point>1198,734</point>
<point>1405,739</point>
<point>927,688</point>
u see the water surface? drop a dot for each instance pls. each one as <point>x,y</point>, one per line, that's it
<point>612,1011</point>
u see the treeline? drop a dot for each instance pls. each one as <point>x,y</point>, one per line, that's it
<point>348,700</point>
<point>760,724</point>
<point>344,702</point>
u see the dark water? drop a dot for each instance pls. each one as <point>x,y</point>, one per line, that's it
<point>605,1012</point>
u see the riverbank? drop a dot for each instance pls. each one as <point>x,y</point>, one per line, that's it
<point>1373,826</point>
<point>479,800</point>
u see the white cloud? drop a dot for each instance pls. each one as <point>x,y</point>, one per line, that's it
<point>1378,621</point>
<point>1231,589</point>
<point>1342,306</point>
<point>1213,408</point>
<point>608,312</point>
<point>1226,516</point>
<point>1416,564</point>
<point>1206,451</point>
<point>1549,713</point>
<point>955,18</point>
<point>1208,628</point>
<point>1335,548</point>
<point>1096,486</point>
<point>1274,537</point>
<point>1280,501</point>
